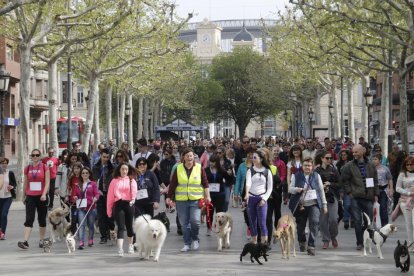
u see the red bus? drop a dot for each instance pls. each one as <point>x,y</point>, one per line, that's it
<point>76,131</point>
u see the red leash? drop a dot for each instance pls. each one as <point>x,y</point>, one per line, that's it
<point>209,207</point>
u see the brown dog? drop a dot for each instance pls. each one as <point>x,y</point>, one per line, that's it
<point>285,231</point>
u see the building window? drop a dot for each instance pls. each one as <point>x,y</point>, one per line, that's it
<point>9,52</point>
<point>80,98</point>
<point>13,103</point>
<point>64,92</point>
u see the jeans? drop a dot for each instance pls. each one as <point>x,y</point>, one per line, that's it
<point>347,207</point>
<point>90,221</point>
<point>189,215</point>
<point>383,201</point>
<point>311,213</point>
<point>5,204</point>
<point>359,205</point>
<point>409,221</point>
<point>227,191</point>
<point>329,222</point>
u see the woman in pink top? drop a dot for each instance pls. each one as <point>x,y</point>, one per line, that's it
<point>120,200</point>
<point>35,190</point>
<point>86,195</point>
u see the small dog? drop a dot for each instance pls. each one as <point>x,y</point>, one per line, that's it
<point>57,222</point>
<point>256,251</point>
<point>285,231</point>
<point>203,214</point>
<point>150,234</point>
<point>70,243</point>
<point>223,225</point>
<point>377,237</point>
<point>47,245</point>
<point>113,236</point>
<point>402,256</point>
<point>162,216</point>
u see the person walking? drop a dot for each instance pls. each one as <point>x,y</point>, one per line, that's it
<point>259,185</point>
<point>385,186</point>
<point>120,200</point>
<point>188,185</point>
<point>52,162</point>
<point>8,186</point>
<point>35,197</point>
<point>306,203</point>
<point>332,186</point>
<point>360,181</point>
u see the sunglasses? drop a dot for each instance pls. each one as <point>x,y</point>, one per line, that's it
<point>175,148</point>
<point>142,164</point>
<point>245,142</point>
<point>35,155</point>
<point>119,156</point>
<point>410,164</point>
<point>328,158</point>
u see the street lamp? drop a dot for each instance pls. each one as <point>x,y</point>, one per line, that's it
<point>368,102</point>
<point>285,115</point>
<point>127,113</point>
<point>331,111</point>
<point>297,124</point>
<point>4,89</point>
<point>310,113</point>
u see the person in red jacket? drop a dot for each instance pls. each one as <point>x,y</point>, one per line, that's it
<point>52,162</point>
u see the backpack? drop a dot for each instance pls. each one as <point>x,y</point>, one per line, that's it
<point>265,173</point>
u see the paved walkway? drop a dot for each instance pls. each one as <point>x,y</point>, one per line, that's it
<point>102,259</point>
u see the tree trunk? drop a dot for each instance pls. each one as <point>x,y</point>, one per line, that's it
<point>145,117</point>
<point>118,118</point>
<point>52,96</point>
<point>93,91</point>
<point>317,116</point>
<point>152,118</point>
<point>25,65</point>
<point>156,116</point>
<point>130,129</point>
<point>97,136</point>
<point>122,116</point>
<point>108,102</point>
<point>351,125</point>
<point>403,112</point>
<point>140,117</point>
<point>384,119</point>
<point>242,125</point>
<point>364,112</point>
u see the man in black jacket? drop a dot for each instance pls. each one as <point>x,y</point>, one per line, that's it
<point>360,181</point>
<point>102,173</point>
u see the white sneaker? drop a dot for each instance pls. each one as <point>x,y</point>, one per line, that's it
<point>185,248</point>
<point>120,253</point>
<point>208,232</point>
<point>196,245</point>
<point>131,249</point>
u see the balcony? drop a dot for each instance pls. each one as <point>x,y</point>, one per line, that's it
<point>38,104</point>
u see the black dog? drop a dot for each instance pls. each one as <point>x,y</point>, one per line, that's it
<point>402,257</point>
<point>162,216</point>
<point>256,251</point>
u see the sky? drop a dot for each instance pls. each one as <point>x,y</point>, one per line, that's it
<point>230,9</point>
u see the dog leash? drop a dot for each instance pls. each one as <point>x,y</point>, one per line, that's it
<point>302,197</point>
<point>209,207</point>
<point>140,213</point>
<point>86,215</point>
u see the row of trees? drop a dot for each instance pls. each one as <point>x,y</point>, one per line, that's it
<point>320,43</point>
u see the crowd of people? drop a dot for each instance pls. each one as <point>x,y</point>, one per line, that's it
<point>323,183</point>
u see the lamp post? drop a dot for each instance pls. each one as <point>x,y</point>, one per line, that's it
<point>285,116</point>
<point>368,102</point>
<point>297,124</point>
<point>4,89</point>
<point>310,113</point>
<point>331,111</point>
<point>127,113</point>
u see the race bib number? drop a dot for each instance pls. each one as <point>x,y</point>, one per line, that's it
<point>369,182</point>
<point>81,203</point>
<point>35,186</point>
<point>310,195</point>
<point>141,194</point>
<point>214,187</point>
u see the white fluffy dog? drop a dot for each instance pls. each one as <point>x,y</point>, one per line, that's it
<point>70,243</point>
<point>57,222</point>
<point>150,234</point>
<point>223,225</point>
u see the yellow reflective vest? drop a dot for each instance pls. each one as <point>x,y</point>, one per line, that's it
<point>273,169</point>
<point>189,188</point>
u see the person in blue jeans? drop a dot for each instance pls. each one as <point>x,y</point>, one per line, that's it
<point>385,186</point>
<point>345,156</point>
<point>360,181</point>
<point>306,203</point>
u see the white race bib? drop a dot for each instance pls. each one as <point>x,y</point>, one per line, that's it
<point>81,203</point>
<point>310,195</point>
<point>35,186</point>
<point>214,187</point>
<point>369,182</point>
<point>141,194</point>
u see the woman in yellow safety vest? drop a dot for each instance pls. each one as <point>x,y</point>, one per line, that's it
<point>188,185</point>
